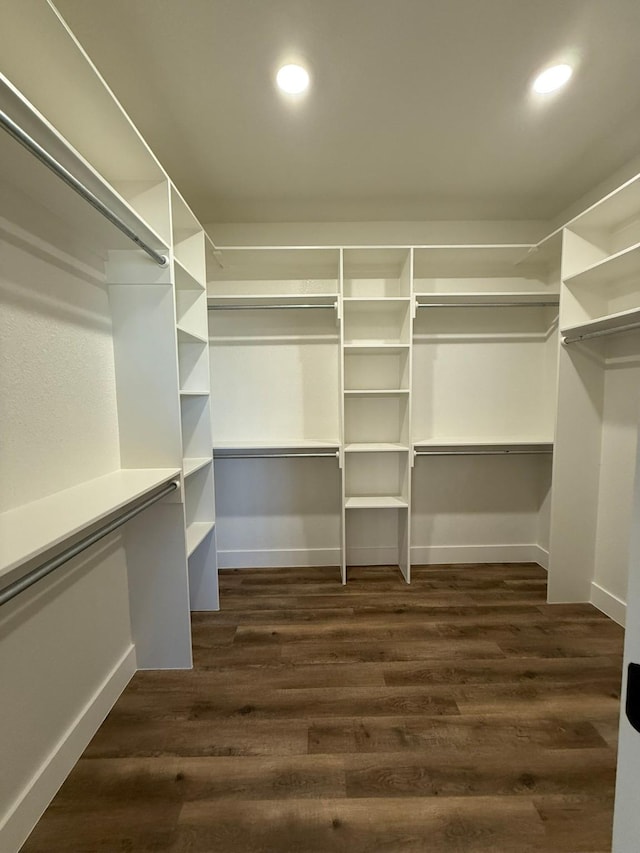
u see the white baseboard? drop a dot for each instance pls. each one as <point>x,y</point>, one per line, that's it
<point>612,606</point>
<point>36,796</point>
<point>420,555</point>
<point>433,554</point>
<point>276,558</point>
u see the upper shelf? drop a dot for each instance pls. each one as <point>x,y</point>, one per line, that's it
<point>621,265</point>
<point>612,211</point>
<point>20,167</point>
<point>31,530</point>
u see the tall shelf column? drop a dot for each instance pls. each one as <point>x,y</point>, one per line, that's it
<point>376,411</point>
<point>190,277</point>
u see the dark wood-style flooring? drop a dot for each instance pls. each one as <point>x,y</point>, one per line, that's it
<point>461,713</point>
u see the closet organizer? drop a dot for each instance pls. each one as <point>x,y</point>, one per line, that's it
<point>428,373</point>
<point>107,525</point>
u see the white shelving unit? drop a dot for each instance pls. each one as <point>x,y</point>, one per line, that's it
<point>484,349</point>
<point>376,412</point>
<point>274,326</point>
<point>598,403</point>
<point>91,414</point>
<point>190,274</point>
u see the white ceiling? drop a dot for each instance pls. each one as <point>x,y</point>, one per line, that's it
<point>419,109</point>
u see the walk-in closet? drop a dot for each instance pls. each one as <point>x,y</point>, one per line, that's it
<point>319,409</point>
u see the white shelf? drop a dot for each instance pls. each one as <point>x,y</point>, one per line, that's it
<point>33,529</point>
<point>379,348</point>
<point>279,445</point>
<point>196,532</point>
<point>186,337</point>
<point>610,323</point>
<point>375,392</point>
<point>190,466</point>
<point>194,393</point>
<point>376,502</point>
<point>375,447</point>
<point>376,299</point>
<point>621,265</point>
<point>619,206</point>
<point>469,299</point>
<point>185,280</point>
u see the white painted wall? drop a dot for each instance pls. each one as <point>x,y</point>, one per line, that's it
<point>65,656</point>
<point>373,233</point>
<point>57,383</point>
<point>276,512</point>
<point>485,507</point>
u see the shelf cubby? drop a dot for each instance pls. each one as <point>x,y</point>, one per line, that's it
<point>377,273</point>
<point>375,322</point>
<point>196,426</point>
<point>376,475</point>
<point>193,365</point>
<point>377,370</point>
<point>377,420</point>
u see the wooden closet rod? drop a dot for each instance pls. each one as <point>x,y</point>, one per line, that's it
<point>240,307</point>
<point>65,175</point>
<point>23,583</point>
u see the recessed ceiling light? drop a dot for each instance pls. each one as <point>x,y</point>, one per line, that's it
<point>292,79</point>
<point>552,78</point>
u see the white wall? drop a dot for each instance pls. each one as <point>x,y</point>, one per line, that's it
<point>57,384</point>
<point>373,233</point>
<point>65,656</point>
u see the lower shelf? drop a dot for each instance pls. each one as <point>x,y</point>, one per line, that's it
<point>196,532</point>
<point>376,502</point>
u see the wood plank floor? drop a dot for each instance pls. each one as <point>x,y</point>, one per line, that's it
<point>461,713</point>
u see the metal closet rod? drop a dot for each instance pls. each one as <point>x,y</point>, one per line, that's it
<point>481,452</point>
<point>65,175</point>
<point>240,307</point>
<point>37,574</point>
<point>601,333</point>
<point>486,304</point>
<point>332,455</point>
